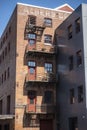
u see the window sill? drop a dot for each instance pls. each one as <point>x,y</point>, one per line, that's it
<point>49,44</point>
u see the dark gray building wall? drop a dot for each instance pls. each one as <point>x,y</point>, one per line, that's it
<point>77,76</point>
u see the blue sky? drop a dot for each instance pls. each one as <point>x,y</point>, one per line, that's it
<point>7,7</point>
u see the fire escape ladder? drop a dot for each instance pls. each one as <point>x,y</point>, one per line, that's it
<point>32,27</point>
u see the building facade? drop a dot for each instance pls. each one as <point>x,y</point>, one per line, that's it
<point>72,71</point>
<point>28,68</point>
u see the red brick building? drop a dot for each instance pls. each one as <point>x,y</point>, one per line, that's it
<point>28,68</point>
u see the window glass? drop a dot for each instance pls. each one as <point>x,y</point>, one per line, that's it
<point>72,96</point>
<point>31,36</point>
<point>0,127</point>
<point>79,58</point>
<point>6,127</point>
<point>31,42</point>
<point>32,20</point>
<point>31,70</point>
<point>48,39</point>
<point>1,105</point>
<point>48,67</point>
<point>70,32</point>
<point>31,63</point>
<point>48,97</point>
<point>80,94</point>
<point>48,22</point>
<point>32,96</point>
<point>70,62</point>
<point>8,104</point>
<point>77,25</point>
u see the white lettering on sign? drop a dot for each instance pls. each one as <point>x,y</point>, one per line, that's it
<point>33,11</point>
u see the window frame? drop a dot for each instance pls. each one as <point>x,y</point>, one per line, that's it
<point>30,97</point>
<point>79,58</point>
<point>48,99</point>
<point>71,59</point>
<point>31,64</point>
<point>8,104</point>
<point>80,93</point>
<point>31,37</point>
<point>46,22</point>
<point>72,96</point>
<point>70,30</point>
<point>48,67</point>
<point>47,39</point>
<point>1,106</point>
<point>32,22</point>
<point>77,25</point>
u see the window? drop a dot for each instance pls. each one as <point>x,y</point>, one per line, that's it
<point>33,123</point>
<point>48,22</point>
<point>32,96</point>
<point>32,36</point>
<point>6,127</point>
<point>2,78</point>
<point>4,75</point>
<point>8,72</point>
<point>3,55</point>
<point>80,94</point>
<point>1,45</point>
<point>0,59</point>
<point>8,104</point>
<point>73,123</point>
<point>48,97</point>
<point>72,96</point>
<point>32,39</point>
<point>31,64</point>
<point>4,40</point>
<point>77,25</point>
<point>8,46</point>
<point>5,51</point>
<point>70,32</point>
<point>31,101</point>
<point>79,58</point>
<point>32,20</point>
<point>48,67</point>
<point>32,70</point>
<point>48,39</point>
<point>1,103</point>
<point>70,62</point>
<point>6,35</point>
<point>31,42</point>
<point>9,29</point>
<point>0,127</point>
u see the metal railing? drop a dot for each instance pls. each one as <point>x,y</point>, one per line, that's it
<point>44,108</point>
<point>40,50</point>
<point>49,77</point>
